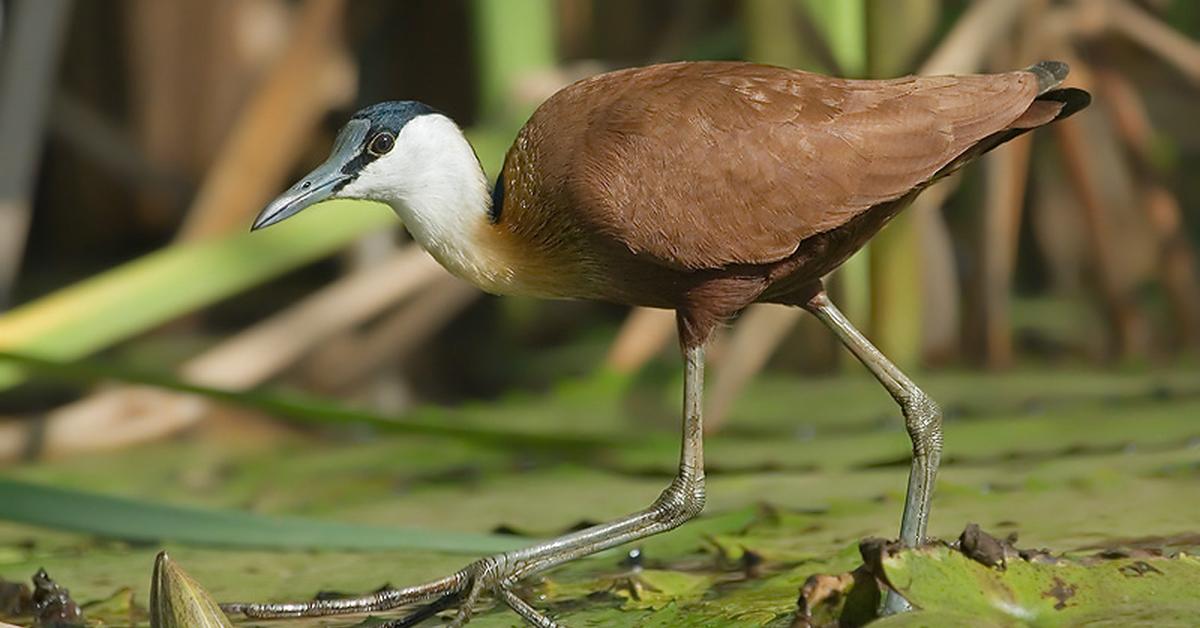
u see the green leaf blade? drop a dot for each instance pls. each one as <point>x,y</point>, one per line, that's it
<point>146,522</point>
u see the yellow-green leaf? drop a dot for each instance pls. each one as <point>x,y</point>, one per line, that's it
<point>178,601</point>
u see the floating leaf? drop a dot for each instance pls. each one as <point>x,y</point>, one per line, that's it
<point>946,617</point>
<point>1045,592</point>
<point>118,606</point>
<point>1052,491</point>
<point>654,589</point>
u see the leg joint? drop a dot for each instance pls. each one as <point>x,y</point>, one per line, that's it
<point>487,569</point>
<point>923,419</point>
<point>681,501</point>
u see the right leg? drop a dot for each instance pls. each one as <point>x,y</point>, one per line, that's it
<point>922,418</point>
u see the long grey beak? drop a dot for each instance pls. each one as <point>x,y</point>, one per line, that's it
<point>320,184</point>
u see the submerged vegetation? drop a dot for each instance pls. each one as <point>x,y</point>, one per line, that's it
<point>1086,464</point>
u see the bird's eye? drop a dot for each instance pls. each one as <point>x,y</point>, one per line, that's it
<point>381,144</point>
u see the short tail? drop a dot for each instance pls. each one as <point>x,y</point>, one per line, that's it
<point>1050,74</point>
<point>1052,103</point>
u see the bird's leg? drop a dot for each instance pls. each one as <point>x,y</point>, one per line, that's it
<point>922,418</point>
<point>682,500</point>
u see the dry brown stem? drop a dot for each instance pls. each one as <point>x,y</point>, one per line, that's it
<point>311,76</point>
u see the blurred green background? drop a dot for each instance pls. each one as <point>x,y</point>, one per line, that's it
<point>250,398</point>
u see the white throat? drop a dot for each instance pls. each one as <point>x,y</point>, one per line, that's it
<point>433,181</point>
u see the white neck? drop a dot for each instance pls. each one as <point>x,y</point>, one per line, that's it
<point>433,181</point>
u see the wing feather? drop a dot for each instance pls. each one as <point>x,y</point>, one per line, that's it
<point>706,165</point>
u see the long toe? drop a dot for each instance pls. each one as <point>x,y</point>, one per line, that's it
<point>425,612</point>
<point>488,579</point>
<point>522,608</point>
<point>383,600</point>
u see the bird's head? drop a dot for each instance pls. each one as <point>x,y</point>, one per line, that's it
<point>397,153</point>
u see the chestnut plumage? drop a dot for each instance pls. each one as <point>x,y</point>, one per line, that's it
<point>701,187</point>
<point>663,185</point>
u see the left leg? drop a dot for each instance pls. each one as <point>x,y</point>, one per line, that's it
<point>681,501</point>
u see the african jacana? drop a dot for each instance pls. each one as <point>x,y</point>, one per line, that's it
<point>701,187</point>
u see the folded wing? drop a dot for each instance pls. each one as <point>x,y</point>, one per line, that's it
<point>715,164</point>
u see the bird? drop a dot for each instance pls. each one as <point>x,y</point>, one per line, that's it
<point>700,187</point>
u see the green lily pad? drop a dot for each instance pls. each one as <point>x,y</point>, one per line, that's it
<point>654,589</point>
<point>1049,592</point>
<point>1082,472</point>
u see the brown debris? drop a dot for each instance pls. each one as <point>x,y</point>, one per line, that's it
<point>1138,568</point>
<point>47,604</point>
<point>52,604</point>
<point>752,563</point>
<point>991,551</point>
<point>873,550</point>
<point>1137,547</point>
<point>1037,556</point>
<point>982,547</point>
<point>633,585</point>
<point>845,600</point>
<point>820,588</point>
<point>15,599</point>
<point>1109,554</point>
<point>1060,591</point>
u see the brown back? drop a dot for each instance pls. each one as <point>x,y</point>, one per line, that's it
<point>704,165</point>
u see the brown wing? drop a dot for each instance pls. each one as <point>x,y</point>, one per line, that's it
<point>704,165</point>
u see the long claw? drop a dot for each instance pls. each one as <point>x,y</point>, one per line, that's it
<point>522,608</point>
<point>483,580</point>
<point>467,608</point>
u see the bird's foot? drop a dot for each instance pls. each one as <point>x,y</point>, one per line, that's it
<point>497,575</point>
